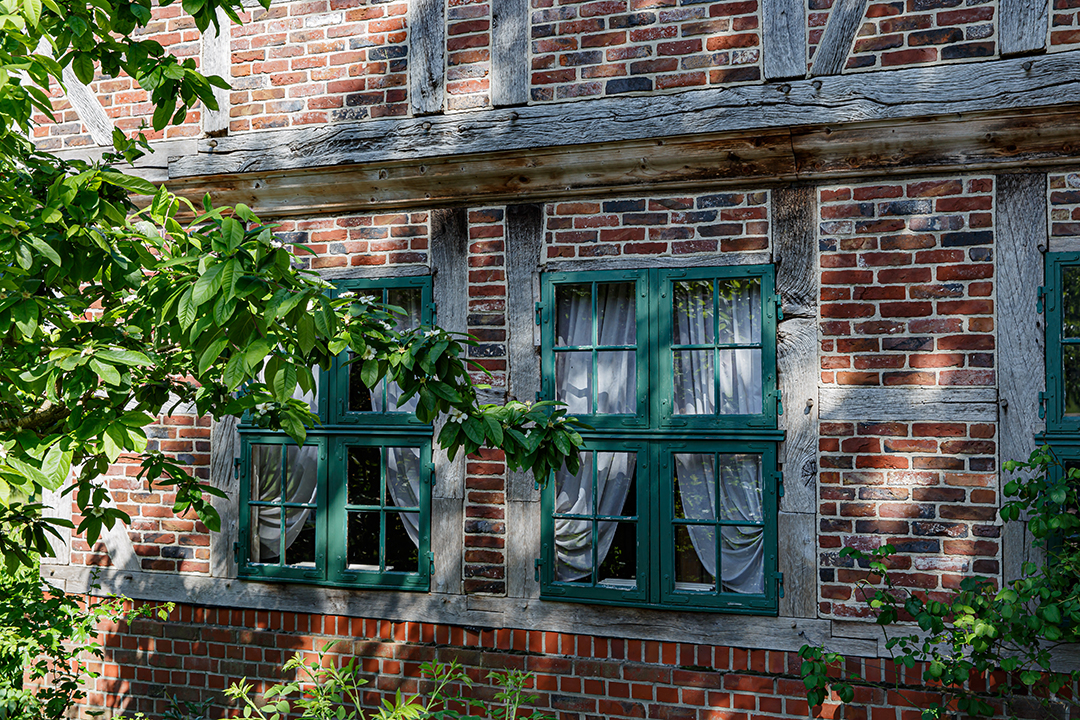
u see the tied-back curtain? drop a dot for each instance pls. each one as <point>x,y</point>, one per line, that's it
<point>403,483</point>
<point>616,324</point>
<point>742,547</point>
<point>301,485</point>
<point>574,496</point>
<point>409,299</point>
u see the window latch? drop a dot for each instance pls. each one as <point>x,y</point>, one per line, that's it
<point>536,567</point>
<point>779,307</point>
<point>431,561</point>
<point>539,312</point>
<point>779,402</point>
<point>236,468</point>
<point>1043,397</point>
<point>1040,304</point>
<point>236,551</point>
<point>780,483</point>
<point>779,583</point>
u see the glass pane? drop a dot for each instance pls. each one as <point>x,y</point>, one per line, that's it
<point>740,382</point>
<point>695,486</point>
<point>401,542</point>
<point>362,546</point>
<point>265,472</point>
<point>311,398</point>
<point>573,314</point>
<point>743,559</point>
<point>694,382</point>
<point>573,550</point>
<point>360,395</point>
<point>573,493</point>
<point>1071,356</point>
<point>619,566</point>
<point>616,314</point>
<point>695,554</point>
<point>265,535</point>
<point>573,381</point>
<point>300,536</point>
<point>615,483</point>
<point>301,474</point>
<point>740,310</point>
<point>616,382</point>
<point>362,476</point>
<point>1070,302</point>
<point>393,393</point>
<point>692,318</point>
<point>740,488</point>
<point>408,299</point>
<point>403,476</point>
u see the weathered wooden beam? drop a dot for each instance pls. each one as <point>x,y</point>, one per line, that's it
<point>1020,235</point>
<point>216,59</point>
<point>875,404</point>
<point>1023,26</point>
<point>783,38</point>
<point>88,108</point>
<point>224,451</point>
<point>797,554</point>
<point>509,52</point>
<point>832,52</point>
<point>427,56</point>
<point>988,86</point>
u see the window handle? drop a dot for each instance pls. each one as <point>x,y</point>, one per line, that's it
<point>1043,397</point>
<point>1039,305</point>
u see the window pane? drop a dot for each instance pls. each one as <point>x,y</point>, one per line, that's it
<point>362,546</point>
<point>619,566</point>
<point>573,314</point>
<point>695,557</point>
<point>743,559</point>
<point>360,395</point>
<point>300,536</point>
<point>616,314</point>
<point>265,535</point>
<point>740,310</point>
<point>695,486</point>
<point>1071,355</point>
<point>401,553</point>
<point>573,493</point>
<point>403,476</point>
<point>573,550</point>
<point>1070,302</point>
<point>616,382</point>
<point>694,382</point>
<point>615,474</point>
<point>362,476</point>
<point>573,381</point>
<point>740,382</point>
<point>409,299</point>
<point>301,474</point>
<point>692,314</point>
<point>265,472</point>
<point>740,488</point>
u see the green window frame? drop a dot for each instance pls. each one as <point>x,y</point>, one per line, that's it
<point>1062,350</point>
<point>368,495</point>
<point>647,432</point>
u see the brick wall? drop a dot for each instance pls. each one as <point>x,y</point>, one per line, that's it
<point>1064,25</point>
<point>198,651</point>
<point>360,240</point>
<point>898,33</point>
<point>319,61</point>
<point>1065,205</point>
<point>927,488</point>
<point>907,283</point>
<point>724,222</point>
<point>468,54</point>
<point>610,47</point>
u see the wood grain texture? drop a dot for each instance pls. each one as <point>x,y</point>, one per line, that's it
<point>868,404</point>
<point>88,108</point>
<point>522,548</point>
<point>783,38</point>
<point>1021,228</point>
<point>447,542</point>
<point>224,450</point>
<point>797,542</point>
<point>509,52</point>
<point>1023,26</point>
<point>832,52</point>
<point>883,95</point>
<point>57,506</point>
<point>450,269</point>
<point>216,59</point>
<point>427,56</point>
<point>524,242</point>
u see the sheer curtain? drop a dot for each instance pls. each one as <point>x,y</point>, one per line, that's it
<point>403,483</point>
<point>301,486</point>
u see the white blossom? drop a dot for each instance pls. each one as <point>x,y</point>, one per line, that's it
<point>368,354</point>
<point>457,416</point>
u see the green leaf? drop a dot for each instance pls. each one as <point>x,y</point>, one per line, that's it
<point>82,64</point>
<point>369,372</point>
<point>234,372</point>
<point>494,430</point>
<point>46,249</point>
<point>212,353</point>
<point>105,371</point>
<point>473,431</point>
<point>232,232</point>
<point>305,333</point>
<point>130,183</point>
<point>284,382</point>
<point>124,357</point>
<point>185,309</point>
<point>208,284</point>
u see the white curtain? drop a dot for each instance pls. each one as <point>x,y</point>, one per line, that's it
<point>408,299</point>
<point>574,496</point>
<point>403,482</point>
<point>616,371</point>
<point>301,486</point>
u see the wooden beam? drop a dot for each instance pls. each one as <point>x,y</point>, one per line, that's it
<point>870,404</point>
<point>1023,26</point>
<point>797,540</point>
<point>509,52</point>
<point>224,451</point>
<point>987,86</point>
<point>1020,234</point>
<point>783,38</point>
<point>427,56</point>
<point>832,52</point>
<point>216,59</point>
<point>88,108</point>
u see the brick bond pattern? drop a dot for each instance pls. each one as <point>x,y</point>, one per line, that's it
<point>725,222</point>
<point>907,273</point>
<point>318,61</point>
<point>591,48</point>
<point>468,54</point>
<point>928,489</point>
<point>914,32</point>
<point>124,102</point>
<point>1064,25</point>
<point>199,651</point>
<point>1065,205</point>
<point>360,240</point>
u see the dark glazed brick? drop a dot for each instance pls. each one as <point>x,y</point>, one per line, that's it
<point>624,85</point>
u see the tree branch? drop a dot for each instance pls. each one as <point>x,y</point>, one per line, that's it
<point>45,416</point>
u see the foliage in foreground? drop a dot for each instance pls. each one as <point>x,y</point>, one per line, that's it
<point>326,690</point>
<point>980,632</point>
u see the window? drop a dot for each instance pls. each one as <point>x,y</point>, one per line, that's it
<point>351,506</point>
<point>675,502</point>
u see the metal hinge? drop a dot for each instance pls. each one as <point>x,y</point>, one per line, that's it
<point>236,468</point>
<point>779,583</point>
<point>431,560</point>
<point>779,402</point>
<point>434,313</point>
<point>236,551</point>
<point>1043,397</point>
<point>539,312</point>
<point>1039,304</point>
<point>780,483</point>
<point>779,307</point>
<point>536,567</point>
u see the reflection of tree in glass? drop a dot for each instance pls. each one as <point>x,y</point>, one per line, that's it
<point>621,560</point>
<point>1070,320</point>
